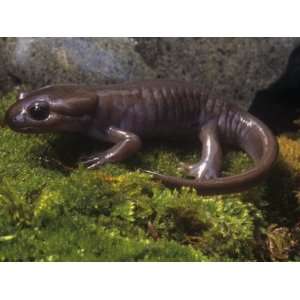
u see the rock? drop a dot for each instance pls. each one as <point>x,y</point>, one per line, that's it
<point>42,61</point>
<point>231,68</point>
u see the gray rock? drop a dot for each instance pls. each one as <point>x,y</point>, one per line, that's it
<point>231,68</point>
<point>42,61</point>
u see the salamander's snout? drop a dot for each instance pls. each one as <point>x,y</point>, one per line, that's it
<point>13,117</point>
<point>16,117</point>
<point>28,115</point>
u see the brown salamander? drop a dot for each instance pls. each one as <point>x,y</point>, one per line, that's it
<point>127,114</point>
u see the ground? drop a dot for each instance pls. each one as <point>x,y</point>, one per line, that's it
<point>51,209</point>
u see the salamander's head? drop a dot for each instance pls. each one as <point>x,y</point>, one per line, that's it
<point>63,108</point>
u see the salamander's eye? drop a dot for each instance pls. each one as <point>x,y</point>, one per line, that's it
<point>39,111</point>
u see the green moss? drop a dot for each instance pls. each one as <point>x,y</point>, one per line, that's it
<point>284,182</point>
<point>53,210</point>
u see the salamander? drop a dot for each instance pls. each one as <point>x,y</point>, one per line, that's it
<point>128,114</point>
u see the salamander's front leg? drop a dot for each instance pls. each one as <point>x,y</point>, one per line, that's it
<point>209,166</point>
<point>126,143</point>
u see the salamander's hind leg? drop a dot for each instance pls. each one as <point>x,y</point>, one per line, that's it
<point>209,166</point>
<point>126,144</point>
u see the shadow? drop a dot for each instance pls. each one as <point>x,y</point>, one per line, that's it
<point>278,106</point>
<point>63,152</point>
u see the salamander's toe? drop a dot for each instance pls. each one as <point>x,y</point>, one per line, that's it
<point>207,174</point>
<point>93,161</point>
<point>198,171</point>
<point>184,168</point>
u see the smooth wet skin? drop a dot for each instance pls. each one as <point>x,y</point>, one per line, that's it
<point>127,114</point>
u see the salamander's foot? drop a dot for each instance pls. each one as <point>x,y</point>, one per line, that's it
<point>198,171</point>
<point>94,161</point>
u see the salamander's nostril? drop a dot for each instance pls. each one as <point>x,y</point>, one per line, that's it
<point>12,118</point>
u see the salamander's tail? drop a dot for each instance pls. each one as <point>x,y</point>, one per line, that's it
<point>257,141</point>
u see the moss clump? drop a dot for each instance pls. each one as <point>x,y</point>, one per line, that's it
<point>284,182</point>
<point>53,210</point>
<point>282,242</point>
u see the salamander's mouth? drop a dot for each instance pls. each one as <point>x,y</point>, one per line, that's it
<point>17,125</point>
<point>29,129</point>
<point>26,129</point>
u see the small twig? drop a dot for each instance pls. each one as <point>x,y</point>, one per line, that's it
<point>153,231</point>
